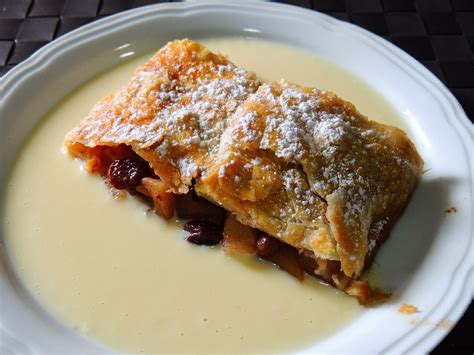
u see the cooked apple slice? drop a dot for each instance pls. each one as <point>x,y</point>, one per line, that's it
<point>163,201</point>
<point>281,254</point>
<point>238,238</point>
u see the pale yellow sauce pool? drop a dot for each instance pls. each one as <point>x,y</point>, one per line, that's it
<point>128,279</point>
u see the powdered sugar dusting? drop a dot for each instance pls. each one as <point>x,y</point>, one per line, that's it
<point>375,232</point>
<point>187,167</point>
<point>176,103</point>
<point>288,130</point>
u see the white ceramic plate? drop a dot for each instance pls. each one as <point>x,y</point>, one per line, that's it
<point>428,261</point>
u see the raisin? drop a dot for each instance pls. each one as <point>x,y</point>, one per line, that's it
<point>127,173</point>
<point>267,245</point>
<point>203,233</point>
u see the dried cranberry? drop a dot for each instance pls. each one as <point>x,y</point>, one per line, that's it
<point>127,173</point>
<point>267,245</point>
<point>203,233</point>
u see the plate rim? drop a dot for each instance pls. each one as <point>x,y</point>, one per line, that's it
<point>455,115</point>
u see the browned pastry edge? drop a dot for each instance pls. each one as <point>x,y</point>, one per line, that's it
<point>381,236</point>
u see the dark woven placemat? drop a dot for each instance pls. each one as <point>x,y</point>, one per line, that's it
<point>438,33</point>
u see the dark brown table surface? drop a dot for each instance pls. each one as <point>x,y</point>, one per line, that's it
<point>438,33</point>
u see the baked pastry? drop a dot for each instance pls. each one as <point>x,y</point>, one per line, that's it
<point>297,164</point>
<point>172,113</point>
<point>303,165</point>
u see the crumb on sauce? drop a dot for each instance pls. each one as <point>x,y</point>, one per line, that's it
<point>408,309</point>
<point>445,323</point>
<point>451,210</point>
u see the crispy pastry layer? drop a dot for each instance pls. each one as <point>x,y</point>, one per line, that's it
<point>306,166</point>
<point>172,113</point>
<point>300,164</point>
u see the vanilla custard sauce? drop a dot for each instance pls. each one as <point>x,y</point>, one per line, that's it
<point>130,280</point>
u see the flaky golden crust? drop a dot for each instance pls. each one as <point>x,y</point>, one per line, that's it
<point>300,164</point>
<point>329,172</point>
<point>172,112</point>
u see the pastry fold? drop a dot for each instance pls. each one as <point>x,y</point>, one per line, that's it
<point>305,166</point>
<point>298,163</point>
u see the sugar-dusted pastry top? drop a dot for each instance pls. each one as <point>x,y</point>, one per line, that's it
<point>172,112</point>
<point>306,166</point>
<point>297,163</point>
